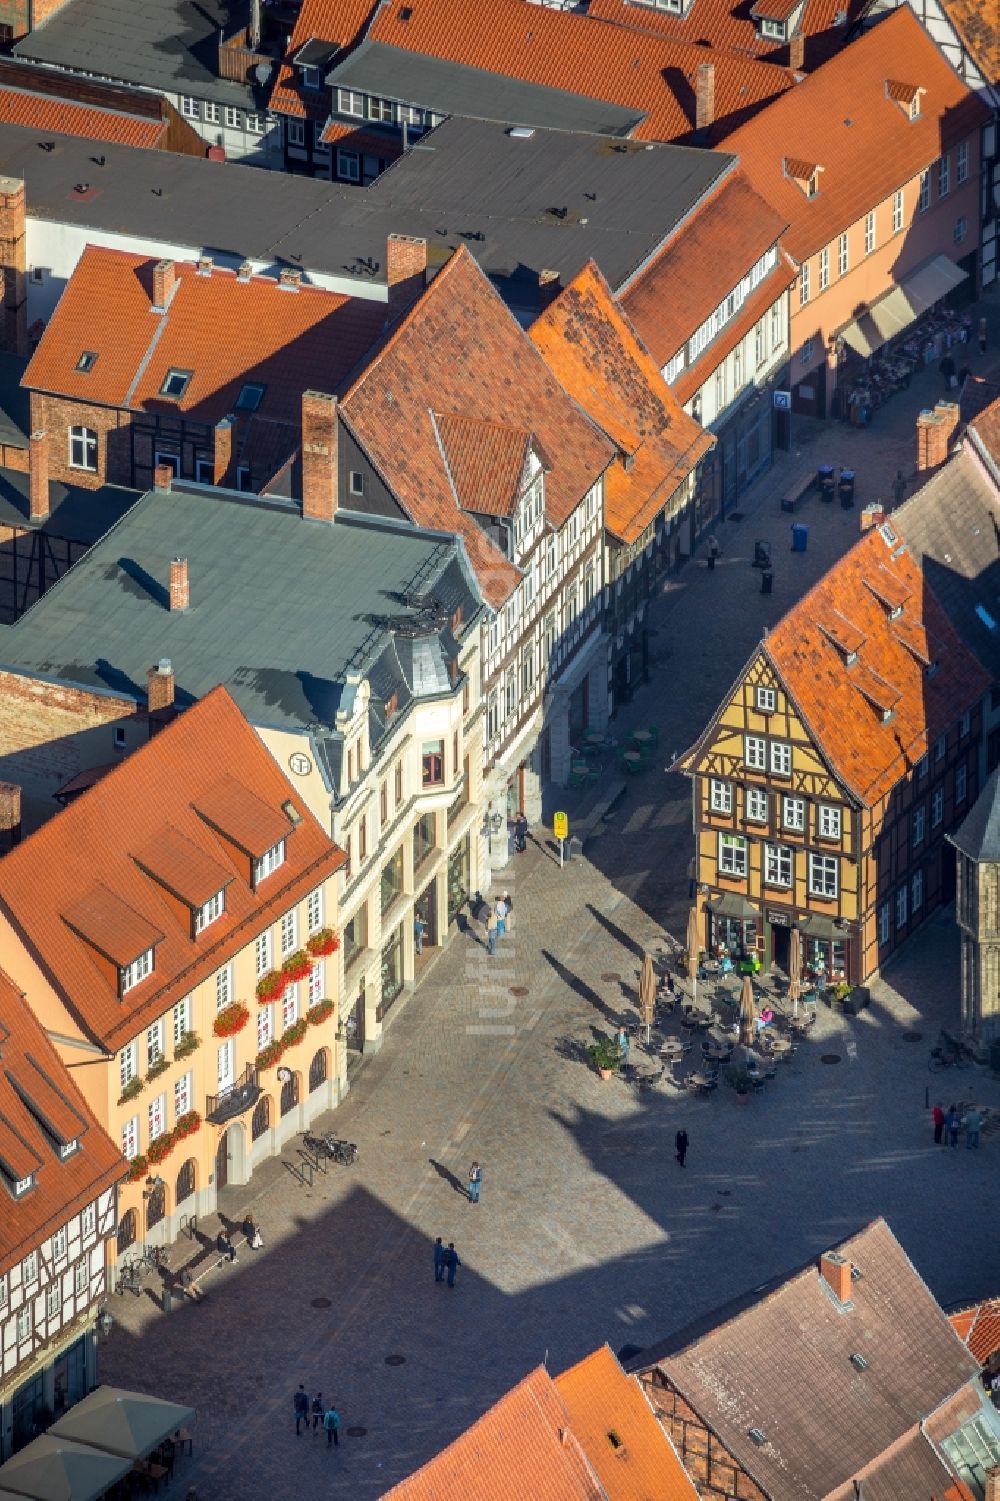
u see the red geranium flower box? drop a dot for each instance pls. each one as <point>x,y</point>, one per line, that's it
<point>296,966</point>
<point>323,942</point>
<point>272,986</point>
<point>231,1019</point>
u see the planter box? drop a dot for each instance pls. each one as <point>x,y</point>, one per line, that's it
<point>857,1000</point>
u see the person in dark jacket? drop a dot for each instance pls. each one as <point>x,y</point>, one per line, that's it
<point>681,1145</point>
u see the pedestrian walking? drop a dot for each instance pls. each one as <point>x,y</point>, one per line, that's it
<point>623,1044</point>
<point>331,1422</point>
<point>898,488</point>
<point>937,1116</point>
<point>681,1144</point>
<point>439,1260</point>
<point>508,902</point>
<point>520,833</point>
<point>251,1233</point>
<point>225,1247</point>
<point>453,1262</point>
<point>475,1183</point>
<point>188,1284</point>
<point>318,1410</point>
<point>501,915</point>
<point>947,371</point>
<point>982,335</point>
<point>492,929</point>
<point>713,553</point>
<point>953,1123</point>
<point>973,1125</point>
<point>419,929</point>
<point>300,1405</point>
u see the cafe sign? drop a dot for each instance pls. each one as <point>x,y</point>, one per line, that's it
<point>779,919</point>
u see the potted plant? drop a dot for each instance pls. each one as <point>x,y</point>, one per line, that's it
<point>295,1033</point>
<point>323,942</point>
<point>231,1019</point>
<point>159,1067</point>
<point>272,986</point>
<point>319,1012</point>
<point>269,1055</point>
<point>187,1125</point>
<point>605,1055</point>
<point>187,1045</point>
<point>738,1078</point>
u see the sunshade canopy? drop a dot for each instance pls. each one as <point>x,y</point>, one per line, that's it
<point>905,303</point>
<point>126,1423</point>
<point>55,1469</point>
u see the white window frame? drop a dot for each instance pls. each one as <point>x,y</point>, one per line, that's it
<point>919,825</point>
<point>917,892</point>
<point>130,1138</point>
<point>296,133</point>
<point>884,924</point>
<point>127,1064</point>
<point>256,123</point>
<point>316,984</point>
<point>767,700</point>
<point>870,232</point>
<point>348,166</point>
<point>898,210</point>
<point>183,1094</point>
<point>824,876</point>
<point>233,117</point>
<point>843,254</point>
<point>720,796</point>
<point>902,906</point>
<point>88,1221</point>
<point>3,1291</point>
<point>53,1299</point>
<point>60,1243</point>
<point>212,113</point>
<point>805,291</point>
<point>81,1276</point>
<point>289,932</point>
<point>190,108</point>
<point>225,1066</point>
<point>757,805</point>
<point>829,822</point>
<point>223,986</point>
<point>209,911</point>
<point>265,1025</point>
<point>314,911</point>
<point>923,204</point>
<point>290,1007</point>
<point>133,974</point>
<point>734,856</point>
<point>83,449</point>
<point>755,752</point>
<point>778,865</point>
<point>24,1323</point>
<point>156,1115</point>
<point>824,269</point>
<point>154,1043</point>
<point>943,176</point>
<point>29,1268</point>
<point>793,814</point>
<point>781,758</point>
<point>181,1020</point>
<point>937,807</point>
<point>263,952</point>
<point>351,102</point>
<point>269,862</point>
<point>961,783</point>
<point>962,161</point>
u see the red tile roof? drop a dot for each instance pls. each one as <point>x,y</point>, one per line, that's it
<point>357,138</point>
<point>596,354</point>
<point>561,50</point>
<point>979,1328</point>
<point>38,1100</point>
<point>839,702</point>
<point>723,24</point>
<point>339,22</point>
<point>842,119</point>
<point>700,265</point>
<point>75,890</point>
<point>486,462</point>
<point>755,307</point>
<point>288,97</point>
<point>227,332</point>
<point>980,37</point>
<point>43,112</point>
<point>461,353</point>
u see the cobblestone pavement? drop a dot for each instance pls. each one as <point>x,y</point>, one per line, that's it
<point>587,1229</point>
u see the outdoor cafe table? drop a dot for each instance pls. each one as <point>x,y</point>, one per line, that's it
<point>672,1047</point>
<point>701,1081</point>
<point>642,736</point>
<point>780,1047</point>
<point>631,756</point>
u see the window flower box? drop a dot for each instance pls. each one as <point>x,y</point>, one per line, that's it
<point>319,1013</point>
<point>131,1090</point>
<point>296,967</point>
<point>188,1044</point>
<point>295,1033</point>
<point>269,1055</point>
<point>138,1167</point>
<point>272,986</point>
<point>161,1147</point>
<point>159,1067</point>
<point>231,1019</point>
<point>188,1124</point>
<point>323,942</point>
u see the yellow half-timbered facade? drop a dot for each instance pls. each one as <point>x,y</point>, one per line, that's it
<point>825,783</point>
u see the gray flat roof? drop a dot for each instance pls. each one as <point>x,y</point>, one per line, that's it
<point>467,183</point>
<point>163,44</point>
<point>454,89</point>
<point>15,415</point>
<point>281,608</point>
<point>75,514</point>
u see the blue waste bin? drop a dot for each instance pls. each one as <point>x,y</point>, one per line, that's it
<point>800,536</point>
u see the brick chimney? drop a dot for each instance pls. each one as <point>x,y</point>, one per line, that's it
<point>10,816</point>
<point>164,277</point>
<point>38,475</point>
<point>13,266</point>
<point>244,271</point>
<point>180,588</point>
<point>704,112</point>
<point>160,685</point>
<point>992,1477</point>
<point>405,271</point>
<point>222,452</point>
<point>319,456</point>
<point>836,1271</point>
<point>163,476</point>
<point>950,414</point>
<point>289,278</point>
<point>797,52</point>
<point>205,264</point>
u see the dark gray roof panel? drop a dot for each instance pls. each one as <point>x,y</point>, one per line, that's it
<point>453,89</point>
<point>978,836</point>
<point>75,514</point>
<point>280,607</point>
<point>15,416</point>
<point>163,44</point>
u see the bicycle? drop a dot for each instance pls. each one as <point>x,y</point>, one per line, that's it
<point>129,1279</point>
<point>947,1055</point>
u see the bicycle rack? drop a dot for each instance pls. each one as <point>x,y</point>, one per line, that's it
<point>189,1225</point>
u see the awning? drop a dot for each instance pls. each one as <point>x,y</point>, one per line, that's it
<point>127,1423</point>
<point>820,927</point>
<point>731,904</point>
<point>53,1469</point>
<point>903,305</point>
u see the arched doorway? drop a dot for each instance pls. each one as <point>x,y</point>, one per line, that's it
<point>156,1206</point>
<point>184,1187</point>
<point>260,1121</point>
<point>126,1231</point>
<point>289,1094</point>
<point>319,1070</point>
<point>230,1156</point>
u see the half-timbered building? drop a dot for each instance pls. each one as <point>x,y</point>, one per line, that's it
<point>826,782</point>
<point>58,1188</point>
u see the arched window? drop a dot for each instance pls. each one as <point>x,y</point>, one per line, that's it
<point>185,1181</point>
<point>261,1119</point>
<point>126,1231</point>
<point>156,1206</point>
<point>289,1094</point>
<point>83,448</point>
<point>317,1070</point>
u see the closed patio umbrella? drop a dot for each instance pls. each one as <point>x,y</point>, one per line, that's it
<point>795,969</point>
<point>647,993</point>
<point>746,1012</point>
<point>693,948</point>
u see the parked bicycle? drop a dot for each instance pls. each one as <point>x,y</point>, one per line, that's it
<point>129,1278</point>
<point>947,1054</point>
<point>326,1145</point>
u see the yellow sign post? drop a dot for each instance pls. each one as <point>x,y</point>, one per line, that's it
<point>560,828</point>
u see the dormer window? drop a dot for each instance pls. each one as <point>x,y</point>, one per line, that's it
<point>67,1148</point>
<point>310,78</point>
<point>805,175</point>
<point>269,862</point>
<point>906,95</point>
<point>773,30</point>
<point>175,383</point>
<point>22,1185</point>
<point>209,911</point>
<point>135,972</point>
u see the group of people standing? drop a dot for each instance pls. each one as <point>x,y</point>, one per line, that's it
<point>952,1123</point>
<point>323,1414</point>
<point>446,1260</point>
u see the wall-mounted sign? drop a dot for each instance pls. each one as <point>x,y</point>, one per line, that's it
<point>782,401</point>
<point>300,764</point>
<point>779,919</point>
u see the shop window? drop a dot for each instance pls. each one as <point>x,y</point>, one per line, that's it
<point>432,763</point>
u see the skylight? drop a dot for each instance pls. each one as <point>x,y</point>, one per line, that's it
<point>250,397</point>
<point>986,617</point>
<point>86,362</point>
<point>175,383</point>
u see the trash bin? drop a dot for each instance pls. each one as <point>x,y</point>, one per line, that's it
<point>825,481</point>
<point>761,555</point>
<point>800,536</point>
<point>846,488</point>
<point>766,580</point>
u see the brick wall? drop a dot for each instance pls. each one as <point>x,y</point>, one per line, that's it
<point>711,1466</point>
<point>13,266</point>
<point>55,415</point>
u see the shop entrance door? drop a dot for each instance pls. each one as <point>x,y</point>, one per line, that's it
<point>780,941</point>
<point>425,907</point>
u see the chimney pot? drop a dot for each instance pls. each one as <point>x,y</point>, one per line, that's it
<point>288,277</point>
<point>836,1272</point>
<point>705,96</point>
<point>244,271</point>
<point>10,815</point>
<point>163,476</point>
<point>164,277</point>
<point>38,476</point>
<point>319,456</point>
<point>205,264</point>
<point>180,589</point>
<point>160,686</point>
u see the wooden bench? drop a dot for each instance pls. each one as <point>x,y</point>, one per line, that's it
<point>797,486</point>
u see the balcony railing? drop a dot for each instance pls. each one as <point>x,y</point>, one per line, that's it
<point>237,1099</point>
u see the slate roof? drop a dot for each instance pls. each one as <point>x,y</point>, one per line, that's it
<point>162,44</point>
<point>460,352</point>
<point>978,835</point>
<point>984,434</point>
<point>594,351</point>
<point>561,50</point>
<point>225,331</point>
<point>39,1099</point>
<point>912,1470</point>
<point>74,890</point>
<point>779,1360</point>
<point>250,563</point>
<point>971,20</point>
<point>841,119</point>
<point>700,264</point>
<point>730,26</point>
